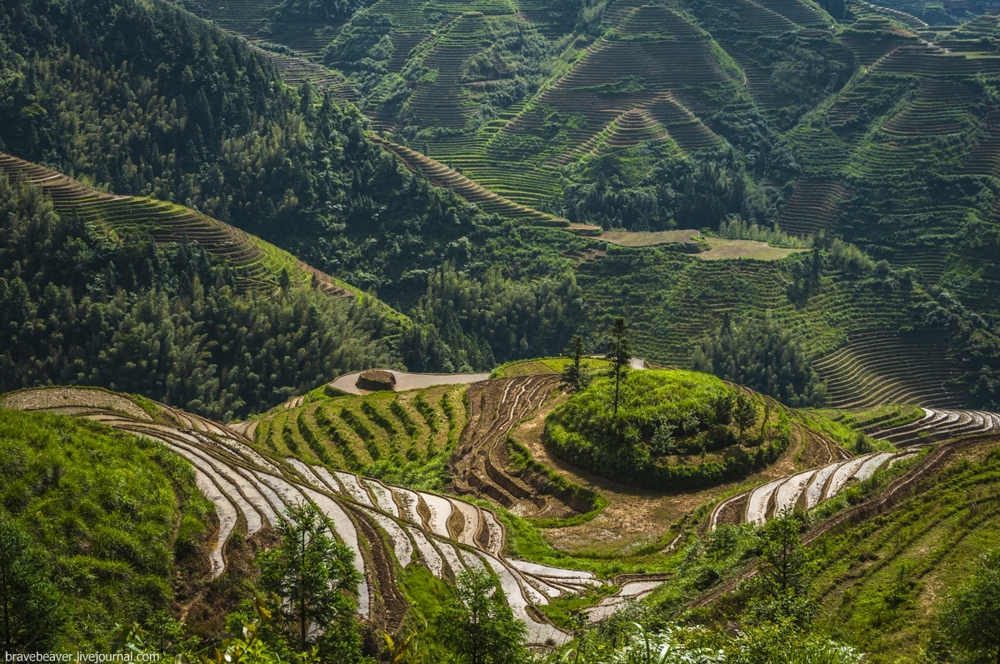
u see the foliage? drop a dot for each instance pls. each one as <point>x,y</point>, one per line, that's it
<point>181,111</point>
<point>762,356</point>
<point>314,575</point>
<point>30,610</point>
<point>477,626</point>
<point>972,616</point>
<point>305,11</point>
<point>882,583</point>
<point>734,228</point>
<point>671,194</point>
<point>162,322</point>
<point>665,433</point>
<point>465,324</point>
<point>104,512</point>
<point>619,355</point>
<point>784,561</point>
<point>572,376</point>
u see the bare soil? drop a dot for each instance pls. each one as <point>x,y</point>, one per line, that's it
<point>722,249</point>
<point>635,518</point>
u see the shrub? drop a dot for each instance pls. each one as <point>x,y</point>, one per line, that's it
<point>661,438</point>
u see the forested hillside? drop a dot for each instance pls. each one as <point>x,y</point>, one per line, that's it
<point>216,217</point>
<point>168,322</point>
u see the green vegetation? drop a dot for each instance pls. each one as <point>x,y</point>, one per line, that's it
<point>972,617</point>
<point>865,156</point>
<point>881,583</point>
<point>477,626</point>
<point>763,357</point>
<point>78,307</point>
<point>313,575</point>
<point>674,429</point>
<point>403,438</point>
<point>29,601</point>
<point>97,528</point>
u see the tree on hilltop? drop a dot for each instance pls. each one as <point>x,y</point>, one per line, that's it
<point>573,373</point>
<point>619,354</point>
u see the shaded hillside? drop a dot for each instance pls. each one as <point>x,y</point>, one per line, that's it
<point>257,265</point>
<point>223,324</point>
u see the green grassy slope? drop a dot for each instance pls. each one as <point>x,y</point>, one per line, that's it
<point>118,519</point>
<point>405,438</point>
<point>882,583</point>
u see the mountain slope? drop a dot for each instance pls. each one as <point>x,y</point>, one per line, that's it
<point>258,265</point>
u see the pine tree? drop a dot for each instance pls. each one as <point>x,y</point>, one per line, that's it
<point>572,374</point>
<point>620,355</point>
<point>315,577</point>
<point>478,626</point>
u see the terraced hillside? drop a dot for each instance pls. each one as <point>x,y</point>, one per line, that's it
<point>481,463</point>
<point>380,433</point>
<point>876,159</point>
<point>882,580</point>
<point>808,489</point>
<point>257,263</point>
<point>881,368</point>
<point>489,202</point>
<point>303,42</point>
<point>859,128</point>
<point>387,527</point>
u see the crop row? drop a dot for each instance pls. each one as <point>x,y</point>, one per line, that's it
<point>442,103</point>
<point>927,60</point>
<point>813,206</point>
<point>255,266</point>
<point>883,367</point>
<point>472,191</point>
<point>250,491</point>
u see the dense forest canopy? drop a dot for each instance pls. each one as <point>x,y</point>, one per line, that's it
<point>166,322</point>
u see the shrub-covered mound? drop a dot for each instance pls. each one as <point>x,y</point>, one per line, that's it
<point>674,429</point>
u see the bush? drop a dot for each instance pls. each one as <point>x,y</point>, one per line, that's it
<point>667,433</point>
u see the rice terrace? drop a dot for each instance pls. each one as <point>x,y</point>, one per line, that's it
<point>500,331</point>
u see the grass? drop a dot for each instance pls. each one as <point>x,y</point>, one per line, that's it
<point>844,426</point>
<point>118,516</point>
<point>723,249</point>
<point>403,438</point>
<point>544,366</point>
<point>647,239</point>
<point>881,583</point>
